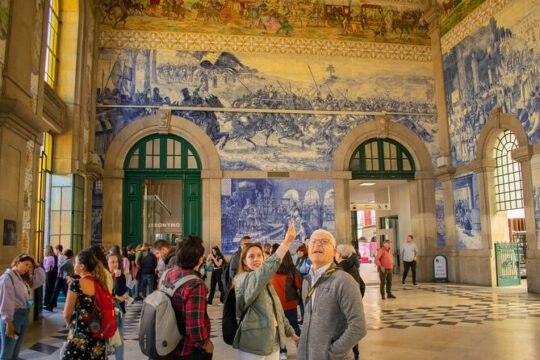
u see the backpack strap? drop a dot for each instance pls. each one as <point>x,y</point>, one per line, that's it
<point>169,288</point>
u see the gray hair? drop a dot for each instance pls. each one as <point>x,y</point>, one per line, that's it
<point>345,250</point>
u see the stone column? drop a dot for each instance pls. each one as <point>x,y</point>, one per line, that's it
<point>343,211</point>
<point>524,155</point>
<point>444,159</point>
<point>211,208</point>
<point>446,176</point>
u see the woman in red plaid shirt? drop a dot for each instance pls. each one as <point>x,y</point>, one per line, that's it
<point>189,302</point>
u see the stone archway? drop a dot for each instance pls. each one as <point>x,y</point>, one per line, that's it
<point>421,189</point>
<point>113,172</point>
<point>493,222</point>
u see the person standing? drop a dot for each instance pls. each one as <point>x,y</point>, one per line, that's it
<point>287,283</point>
<point>189,302</point>
<point>216,261</point>
<point>119,292</point>
<point>264,327</point>
<point>50,264</point>
<point>148,265</point>
<point>16,285</point>
<point>409,252</point>
<point>334,319</point>
<point>385,265</point>
<point>65,270</point>
<point>235,260</point>
<point>81,343</point>
<point>344,258</point>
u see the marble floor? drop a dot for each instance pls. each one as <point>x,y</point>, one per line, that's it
<point>433,321</point>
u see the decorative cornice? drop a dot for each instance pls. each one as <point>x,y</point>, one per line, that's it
<point>261,44</point>
<point>472,22</point>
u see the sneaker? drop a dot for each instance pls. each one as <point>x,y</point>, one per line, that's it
<point>403,282</point>
<point>415,285</point>
<point>282,356</point>
<point>130,300</point>
<point>391,296</point>
<point>383,297</point>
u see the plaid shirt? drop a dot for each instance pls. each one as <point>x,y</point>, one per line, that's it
<point>189,302</point>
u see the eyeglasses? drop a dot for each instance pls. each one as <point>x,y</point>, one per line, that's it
<point>319,241</point>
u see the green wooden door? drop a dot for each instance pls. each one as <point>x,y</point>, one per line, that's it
<point>192,207</point>
<point>132,216</point>
<point>160,157</point>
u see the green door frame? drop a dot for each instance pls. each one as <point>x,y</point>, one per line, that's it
<point>371,160</point>
<point>136,173</point>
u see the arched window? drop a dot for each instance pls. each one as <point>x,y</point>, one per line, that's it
<point>508,184</point>
<point>162,152</point>
<point>382,159</point>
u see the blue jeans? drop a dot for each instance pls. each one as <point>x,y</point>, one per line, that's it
<point>11,347</point>
<point>147,284</point>
<point>119,349</point>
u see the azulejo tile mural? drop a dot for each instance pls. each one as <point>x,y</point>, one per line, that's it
<point>467,212</point>
<point>261,114</point>
<point>453,11</point>
<point>497,66</point>
<point>468,24</point>
<point>439,213</point>
<point>389,21</point>
<point>262,209</point>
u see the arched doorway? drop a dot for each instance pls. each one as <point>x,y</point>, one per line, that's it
<point>162,123</point>
<point>162,190</point>
<point>393,165</point>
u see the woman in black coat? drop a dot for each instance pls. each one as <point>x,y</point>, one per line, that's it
<point>345,261</point>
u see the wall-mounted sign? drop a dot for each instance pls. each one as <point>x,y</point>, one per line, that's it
<point>440,269</point>
<point>164,225</point>
<point>10,233</point>
<point>370,206</point>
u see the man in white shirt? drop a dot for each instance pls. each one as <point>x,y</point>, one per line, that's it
<point>409,252</point>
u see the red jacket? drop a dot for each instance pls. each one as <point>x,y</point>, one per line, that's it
<point>278,282</point>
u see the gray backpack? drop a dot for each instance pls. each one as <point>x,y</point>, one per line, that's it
<point>159,333</point>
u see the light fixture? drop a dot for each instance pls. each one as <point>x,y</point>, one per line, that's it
<point>366,184</point>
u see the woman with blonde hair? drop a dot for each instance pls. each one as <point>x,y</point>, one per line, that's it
<point>16,285</point>
<point>263,328</point>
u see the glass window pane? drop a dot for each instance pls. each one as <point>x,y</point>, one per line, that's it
<point>394,164</point>
<point>178,162</point>
<point>368,165</point>
<point>393,150</point>
<point>148,162</point>
<point>386,150</point>
<point>192,162</point>
<point>156,162</point>
<point>375,165</point>
<point>134,162</point>
<point>149,148</point>
<point>170,146</point>
<point>374,149</point>
<point>55,198</point>
<point>368,150</point>
<point>55,222</point>
<point>170,162</point>
<point>66,198</point>
<point>65,222</point>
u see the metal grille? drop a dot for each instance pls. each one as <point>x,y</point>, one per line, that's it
<point>507,262</point>
<point>508,184</point>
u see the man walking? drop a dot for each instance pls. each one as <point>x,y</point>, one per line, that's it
<point>334,319</point>
<point>385,264</point>
<point>409,252</point>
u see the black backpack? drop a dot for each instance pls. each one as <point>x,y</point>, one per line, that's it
<point>229,323</point>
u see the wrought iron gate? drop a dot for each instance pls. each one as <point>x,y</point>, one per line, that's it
<point>507,260</point>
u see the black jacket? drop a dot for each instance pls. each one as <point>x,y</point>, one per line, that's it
<point>348,266</point>
<point>148,264</point>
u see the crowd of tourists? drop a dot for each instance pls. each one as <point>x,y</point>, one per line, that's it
<point>313,298</point>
